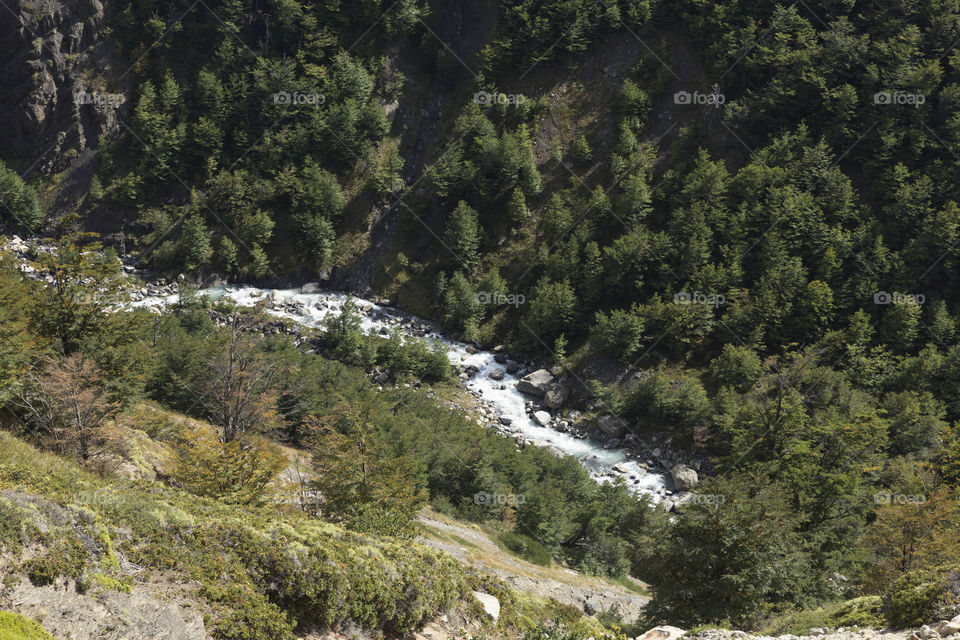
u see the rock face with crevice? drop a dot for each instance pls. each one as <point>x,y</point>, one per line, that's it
<point>52,53</point>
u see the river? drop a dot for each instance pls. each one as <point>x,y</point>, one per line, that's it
<point>310,309</point>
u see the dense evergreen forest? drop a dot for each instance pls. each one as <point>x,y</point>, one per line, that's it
<point>731,223</point>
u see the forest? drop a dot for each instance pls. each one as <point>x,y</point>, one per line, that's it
<point>743,214</point>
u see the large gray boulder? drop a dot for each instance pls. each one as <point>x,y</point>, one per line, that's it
<point>535,383</point>
<point>684,478</point>
<point>556,395</point>
<point>542,418</point>
<point>612,426</point>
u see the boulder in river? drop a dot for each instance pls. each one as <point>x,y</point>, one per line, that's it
<point>612,443</point>
<point>496,374</point>
<point>310,287</point>
<point>274,297</point>
<point>541,417</point>
<point>553,450</point>
<point>535,383</point>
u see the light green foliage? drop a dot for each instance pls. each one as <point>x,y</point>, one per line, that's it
<point>16,627</point>
<point>737,367</point>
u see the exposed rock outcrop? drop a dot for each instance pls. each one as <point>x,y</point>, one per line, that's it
<point>107,614</point>
<point>53,112</point>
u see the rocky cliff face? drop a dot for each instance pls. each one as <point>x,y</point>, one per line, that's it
<point>56,102</point>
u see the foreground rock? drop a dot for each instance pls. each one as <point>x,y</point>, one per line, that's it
<point>542,418</point>
<point>819,634</point>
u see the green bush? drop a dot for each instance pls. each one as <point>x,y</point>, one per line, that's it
<point>866,611</point>
<point>527,548</point>
<point>17,523</point>
<point>920,596</point>
<point>67,558</point>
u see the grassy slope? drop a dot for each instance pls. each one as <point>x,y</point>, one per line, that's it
<point>260,571</point>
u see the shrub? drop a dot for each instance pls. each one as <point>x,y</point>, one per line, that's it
<point>527,548</point>
<point>920,596</point>
<point>17,523</point>
<point>866,611</point>
<point>66,559</point>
